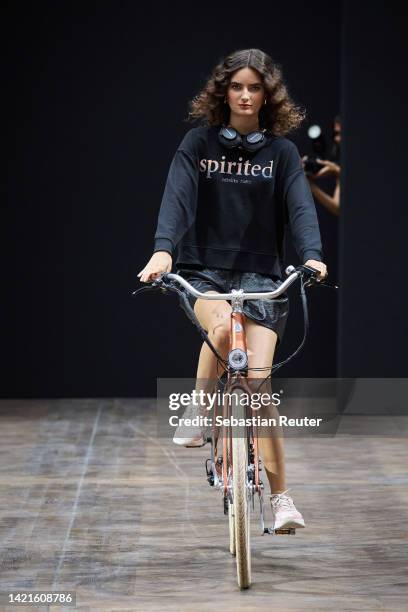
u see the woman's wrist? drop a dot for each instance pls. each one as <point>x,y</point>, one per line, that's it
<point>163,244</point>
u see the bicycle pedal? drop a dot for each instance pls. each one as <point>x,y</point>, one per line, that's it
<point>210,475</point>
<point>271,530</point>
<point>290,531</point>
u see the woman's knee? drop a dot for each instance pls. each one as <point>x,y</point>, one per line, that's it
<point>219,332</point>
<point>258,381</point>
<point>215,317</point>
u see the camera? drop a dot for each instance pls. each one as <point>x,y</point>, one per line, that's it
<point>311,165</point>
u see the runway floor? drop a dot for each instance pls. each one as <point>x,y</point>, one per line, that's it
<point>92,501</point>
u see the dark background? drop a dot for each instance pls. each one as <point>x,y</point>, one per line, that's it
<point>373,304</point>
<point>98,96</point>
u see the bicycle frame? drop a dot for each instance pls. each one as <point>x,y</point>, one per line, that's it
<point>237,376</point>
<point>237,379</point>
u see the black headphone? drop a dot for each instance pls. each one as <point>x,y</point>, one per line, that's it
<point>230,138</point>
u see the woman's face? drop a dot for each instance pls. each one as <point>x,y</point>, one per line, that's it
<point>245,93</point>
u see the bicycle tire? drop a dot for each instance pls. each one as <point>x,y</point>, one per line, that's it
<point>240,496</point>
<point>231,516</point>
<point>231,522</point>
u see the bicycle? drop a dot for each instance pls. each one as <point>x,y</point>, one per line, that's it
<point>234,464</point>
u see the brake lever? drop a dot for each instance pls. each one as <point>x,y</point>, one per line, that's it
<point>324,283</point>
<point>156,284</point>
<point>141,289</point>
<point>311,275</point>
<point>312,278</point>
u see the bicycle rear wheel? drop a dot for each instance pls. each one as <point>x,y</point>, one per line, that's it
<point>240,494</point>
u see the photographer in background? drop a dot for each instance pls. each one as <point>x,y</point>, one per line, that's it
<point>328,167</point>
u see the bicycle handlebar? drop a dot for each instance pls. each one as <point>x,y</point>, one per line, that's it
<point>308,275</point>
<point>293,275</point>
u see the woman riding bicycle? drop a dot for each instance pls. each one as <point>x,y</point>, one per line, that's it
<point>233,185</point>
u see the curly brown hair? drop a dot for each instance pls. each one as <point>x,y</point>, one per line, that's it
<point>279,115</point>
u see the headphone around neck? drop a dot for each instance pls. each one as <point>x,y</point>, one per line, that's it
<point>230,138</point>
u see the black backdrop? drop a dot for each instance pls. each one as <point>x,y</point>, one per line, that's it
<point>373,306</point>
<point>99,92</point>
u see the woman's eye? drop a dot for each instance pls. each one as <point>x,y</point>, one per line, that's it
<point>252,88</point>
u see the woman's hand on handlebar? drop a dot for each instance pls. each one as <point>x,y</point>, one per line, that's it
<point>160,262</point>
<point>317,265</point>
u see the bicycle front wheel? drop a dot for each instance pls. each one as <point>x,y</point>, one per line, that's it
<point>240,494</point>
<point>231,521</point>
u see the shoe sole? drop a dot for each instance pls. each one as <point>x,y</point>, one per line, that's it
<point>181,442</point>
<point>291,525</point>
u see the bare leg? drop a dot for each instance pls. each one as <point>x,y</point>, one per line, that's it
<point>214,316</point>
<point>261,343</point>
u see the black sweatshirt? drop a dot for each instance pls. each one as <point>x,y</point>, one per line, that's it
<point>227,208</point>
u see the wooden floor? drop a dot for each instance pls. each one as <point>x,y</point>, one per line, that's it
<point>92,501</point>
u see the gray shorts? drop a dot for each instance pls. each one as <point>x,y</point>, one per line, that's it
<point>271,314</point>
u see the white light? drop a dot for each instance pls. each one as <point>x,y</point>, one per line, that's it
<point>314,131</point>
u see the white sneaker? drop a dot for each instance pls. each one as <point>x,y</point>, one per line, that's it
<point>285,515</point>
<point>191,435</point>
